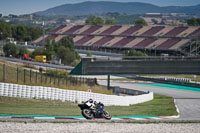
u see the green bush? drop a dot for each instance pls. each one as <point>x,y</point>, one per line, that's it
<point>57,73</point>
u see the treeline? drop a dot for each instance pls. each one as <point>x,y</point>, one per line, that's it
<point>115,19</point>
<point>193,22</point>
<point>19,32</point>
<point>92,20</point>
<point>64,50</point>
<point>122,18</point>
<point>11,49</point>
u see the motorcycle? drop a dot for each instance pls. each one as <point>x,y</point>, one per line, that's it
<point>96,112</point>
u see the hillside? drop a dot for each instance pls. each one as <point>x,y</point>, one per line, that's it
<point>89,8</point>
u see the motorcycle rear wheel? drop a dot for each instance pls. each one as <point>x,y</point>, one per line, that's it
<point>107,115</point>
<point>87,114</point>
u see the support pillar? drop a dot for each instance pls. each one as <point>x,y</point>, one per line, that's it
<point>108,82</point>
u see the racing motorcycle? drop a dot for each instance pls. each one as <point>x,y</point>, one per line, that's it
<point>94,112</point>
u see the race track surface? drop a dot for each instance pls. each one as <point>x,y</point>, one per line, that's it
<point>188,102</point>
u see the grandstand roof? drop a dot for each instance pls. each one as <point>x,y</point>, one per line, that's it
<point>125,36</point>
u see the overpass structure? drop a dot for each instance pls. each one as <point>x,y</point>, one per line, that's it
<point>138,65</point>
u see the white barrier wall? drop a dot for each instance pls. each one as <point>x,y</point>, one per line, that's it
<point>39,92</point>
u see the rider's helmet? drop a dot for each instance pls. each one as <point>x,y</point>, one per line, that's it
<point>90,101</point>
<point>100,103</point>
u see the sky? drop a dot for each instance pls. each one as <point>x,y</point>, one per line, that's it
<point>19,7</point>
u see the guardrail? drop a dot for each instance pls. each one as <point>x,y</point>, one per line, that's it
<point>39,92</point>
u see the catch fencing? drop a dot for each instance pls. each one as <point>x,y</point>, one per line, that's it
<point>10,74</point>
<point>39,92</point>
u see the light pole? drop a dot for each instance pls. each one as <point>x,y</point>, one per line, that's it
<point>154,47</point>
<point>43,34</point>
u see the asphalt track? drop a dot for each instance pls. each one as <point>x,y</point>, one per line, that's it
<point>187,101</point>
<point>38,63</point>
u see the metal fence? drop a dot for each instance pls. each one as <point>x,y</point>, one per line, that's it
<point>22,75</point>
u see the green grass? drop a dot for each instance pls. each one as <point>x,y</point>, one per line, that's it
<point>160,106</point>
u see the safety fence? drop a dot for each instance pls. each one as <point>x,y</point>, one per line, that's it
<point>22,75</point>
<point>39,92</point>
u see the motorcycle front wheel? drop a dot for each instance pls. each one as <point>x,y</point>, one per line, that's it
<point>87,113</point>
<point>107,115</point>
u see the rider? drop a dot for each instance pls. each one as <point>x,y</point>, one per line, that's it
<point>100,107</point>
<point>91,103</point>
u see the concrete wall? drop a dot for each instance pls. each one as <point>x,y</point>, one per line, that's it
<point>100,67</point>
<point>39,92</point>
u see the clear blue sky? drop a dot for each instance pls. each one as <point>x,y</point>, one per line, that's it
<point>30,6</point>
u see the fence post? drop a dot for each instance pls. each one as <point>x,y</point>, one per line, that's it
<point>63,81</point>
<point>108,82</point>
<point>54,82</point>
<point>41,78</point>
<point>17,74</point>
<point>80,81</point>
<point>36,77</point>
<point>50,79</point>
<point>4,72</point>
<point>66,80</point>
<point>58,80</point>
<point>24,76</point>
<point>30,75</point>
<point>45,78</point>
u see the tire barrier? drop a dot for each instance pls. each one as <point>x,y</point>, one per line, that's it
<point>39,92</point>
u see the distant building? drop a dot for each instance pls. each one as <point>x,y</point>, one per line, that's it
<point>31,17</point>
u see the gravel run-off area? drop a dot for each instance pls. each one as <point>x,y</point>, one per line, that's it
<point>12,127</point>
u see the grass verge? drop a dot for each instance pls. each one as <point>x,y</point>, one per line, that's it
<point>39,79</point>
<point>160,106</point>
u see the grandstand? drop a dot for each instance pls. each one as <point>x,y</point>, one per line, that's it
<point>159,39</point>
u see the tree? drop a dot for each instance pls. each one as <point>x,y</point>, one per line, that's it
<point>67,56</point>
<point>65,50</point>
<point>67,42</point>
<point>5,30</point>
<point>21,51</point>
<point>49,49</point>
<point>109,21</point>
<point>10,49</point>
<point>92,20</point>
<point>98,21</point>
<point>21,32</point>
<point>37,52</point>
<point>34,32</point>
<point>193,22</point>
<point>140,22</point>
